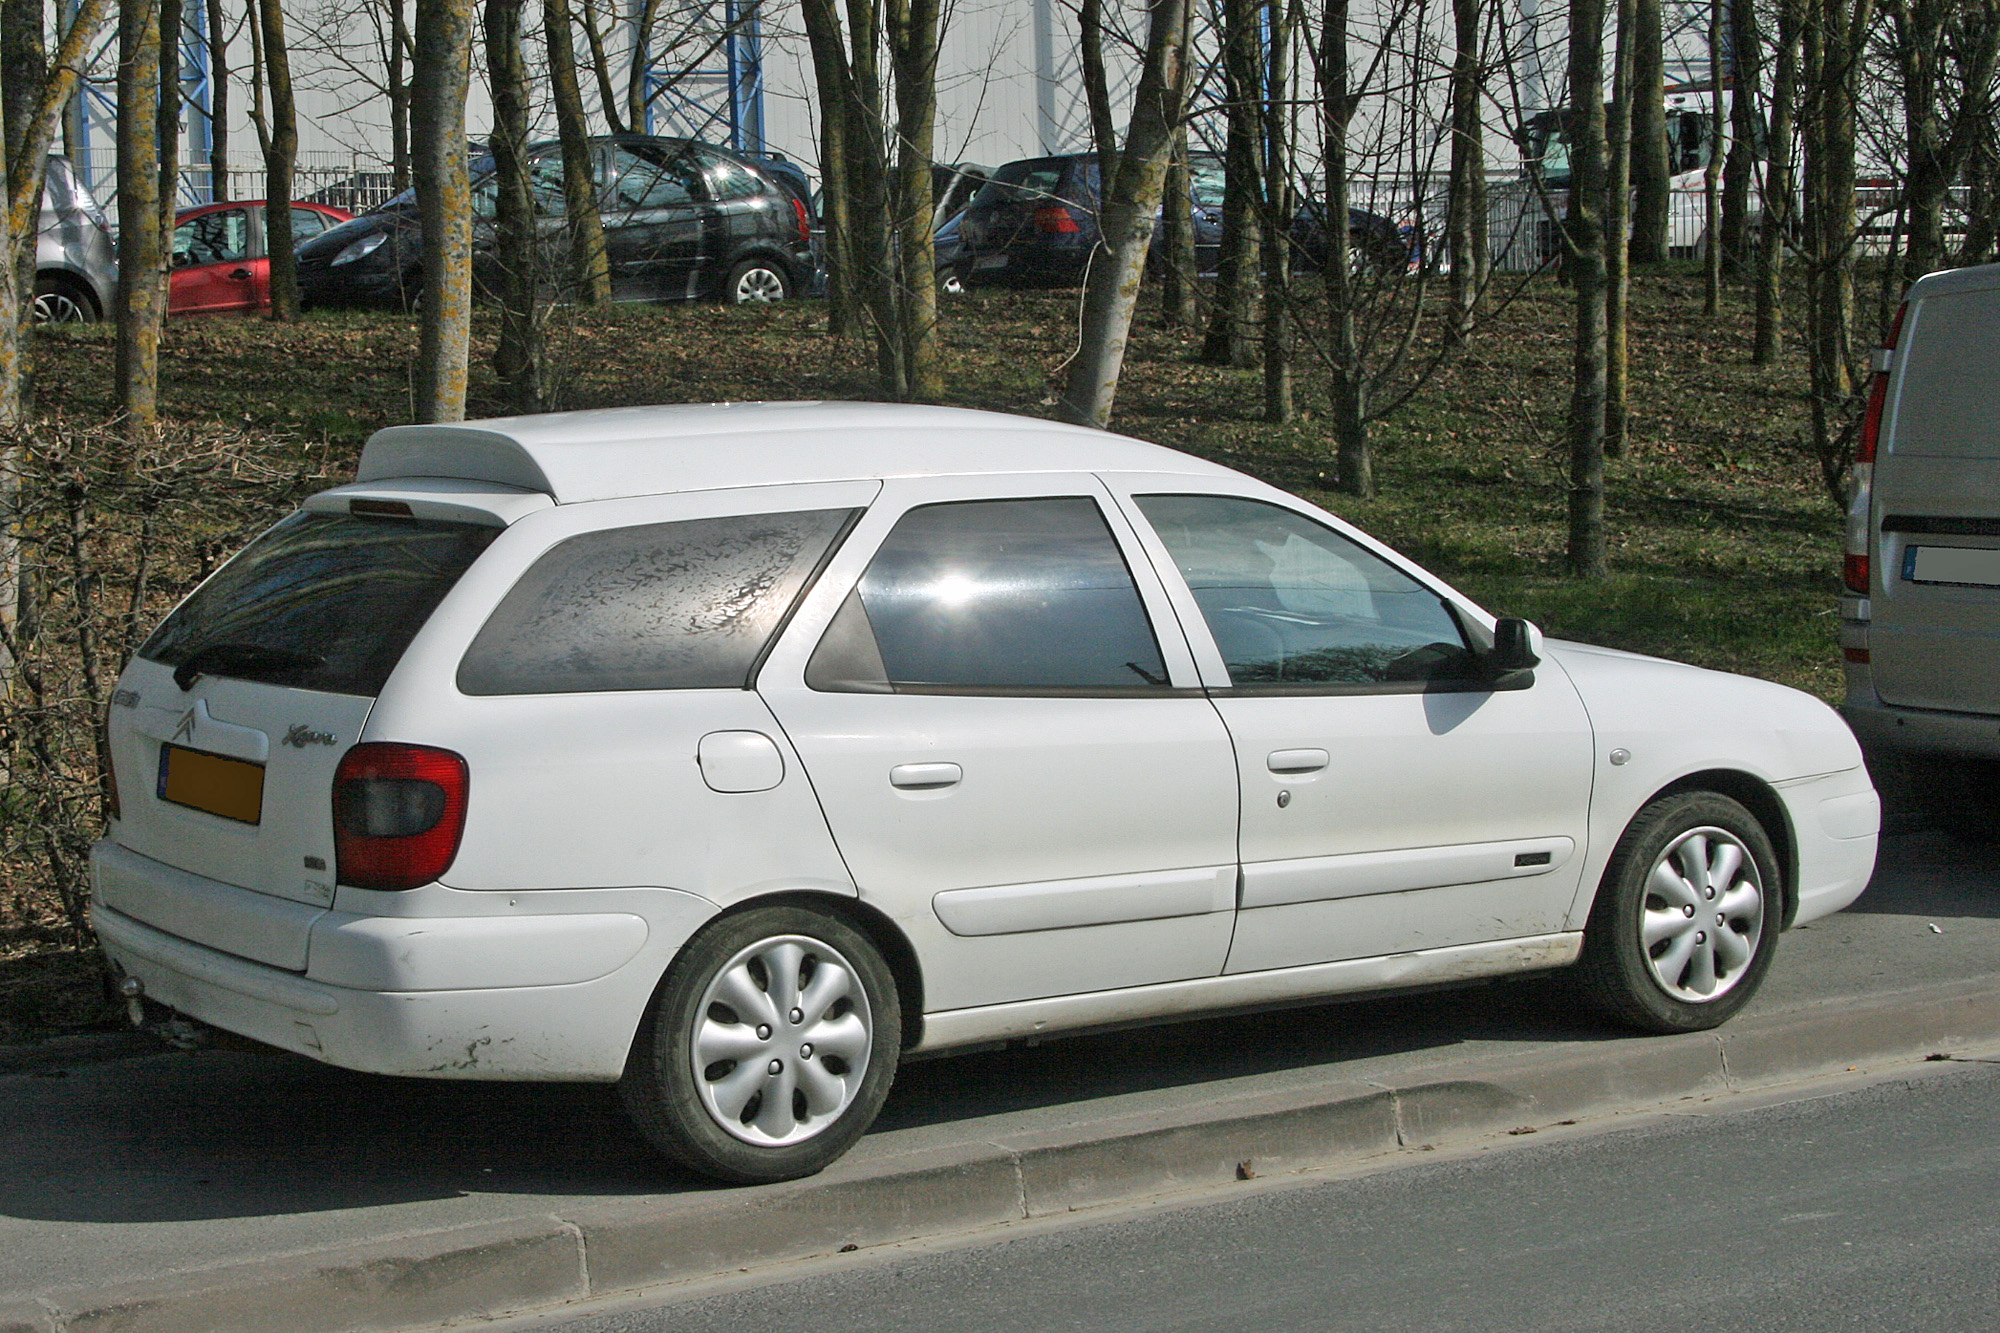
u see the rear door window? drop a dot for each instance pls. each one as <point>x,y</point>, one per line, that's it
<point>994,597</point>
<point>321,601</point>
<point>661,606</point>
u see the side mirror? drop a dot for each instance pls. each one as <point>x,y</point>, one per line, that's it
<point>1516,646</point>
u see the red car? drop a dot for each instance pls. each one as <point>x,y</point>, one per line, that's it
<point>221,265</point>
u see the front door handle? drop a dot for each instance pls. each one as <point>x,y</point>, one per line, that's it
<point>1296,761</point>
<point>925,777</point>
<point>240,274</point>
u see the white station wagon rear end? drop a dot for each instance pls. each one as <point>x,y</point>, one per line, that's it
<point>732,752</point>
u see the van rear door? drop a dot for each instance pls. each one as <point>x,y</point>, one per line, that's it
<point>1935,636</point>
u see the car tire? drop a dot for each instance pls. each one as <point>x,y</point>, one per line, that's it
<point>1668,949</point>
<point>757,281</point>
<point>701,1069</point>
<point>63,300</point>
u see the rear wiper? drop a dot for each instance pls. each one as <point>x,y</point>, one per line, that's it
<point>249,659</point>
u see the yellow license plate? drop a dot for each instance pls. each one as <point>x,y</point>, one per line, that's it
<point>232,788</point>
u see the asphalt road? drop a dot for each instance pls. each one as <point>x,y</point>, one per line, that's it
<point>139,1168</point>
<point>1871,1209</point>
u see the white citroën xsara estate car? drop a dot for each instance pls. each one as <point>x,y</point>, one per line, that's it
<point>732,753</point>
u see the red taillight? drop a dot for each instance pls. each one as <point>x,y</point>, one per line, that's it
<point>1878,395</point>
<point>1854,572</point>
<point>1858,656</point>
<point>1055,218</point>
<point>398,814</point>
<point>805,223</point>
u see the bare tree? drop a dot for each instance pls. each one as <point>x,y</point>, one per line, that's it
<point>1775,232</point>
<point>1131,197</point>
<point>1583,238</point>
<point>142,264</point>
<point>1651,171</point>
<point>1233,315</point>
<point>518,357</point>
<point>215,24</point>
<point>1466,219</point>
<point>23,68</point>
<point>1617,239</point>
<point>1275,133</point>
<point>1944,53</point>
<point>600,65</point>
<point>169,130</point>
<point>1711,172</point>
<point>913,53</point>
<point>281,153</point>
<point>398,50</point>
<point>1746,72</point>
<point>30,133</point>
<point>590,264</point>
<point>440,73</point>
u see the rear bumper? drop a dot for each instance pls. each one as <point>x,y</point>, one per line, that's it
<point>500,995</point>
<point>1884,727</point>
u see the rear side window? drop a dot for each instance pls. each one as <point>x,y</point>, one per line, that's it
<point>663,606</point>
<point>321,601</point>
<point>995,597</point>
<point>1295,605</point>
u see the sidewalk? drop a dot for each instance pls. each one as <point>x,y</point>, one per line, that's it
<point>226,1190</point>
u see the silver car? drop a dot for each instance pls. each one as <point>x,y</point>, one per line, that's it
<point>76,266</point>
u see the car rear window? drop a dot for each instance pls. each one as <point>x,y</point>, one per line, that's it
<point>662,606</point>
<point>321,601</point>
<point>1021,181</point>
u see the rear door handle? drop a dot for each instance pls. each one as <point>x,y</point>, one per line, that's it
<point>921,777</point>
<point>1296,761</point>
<point>240,274</point>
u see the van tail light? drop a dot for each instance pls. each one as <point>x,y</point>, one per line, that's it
<point>805,223</point>
<point>1054,218</point>
<point>398,814</point>
<point>1855,571</point>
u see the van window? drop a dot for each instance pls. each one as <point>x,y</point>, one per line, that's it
<point>321,601</point>
<point>663,606</point>
<point>1946,408</point>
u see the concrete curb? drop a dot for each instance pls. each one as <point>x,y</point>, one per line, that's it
<point>497,1268</point>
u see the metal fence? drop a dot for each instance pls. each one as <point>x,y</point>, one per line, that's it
<point>353,181</point>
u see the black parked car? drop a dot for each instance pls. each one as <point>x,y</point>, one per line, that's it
<point>1035,223</point>
<point>681,220</point>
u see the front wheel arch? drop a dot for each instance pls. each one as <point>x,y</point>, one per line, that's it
<point>1759,799</point>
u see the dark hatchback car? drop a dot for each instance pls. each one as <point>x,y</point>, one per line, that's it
<point>1035,224</point>
<point>682,220</point>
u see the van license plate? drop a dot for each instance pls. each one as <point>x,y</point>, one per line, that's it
<point>1952,564</point>
<point>214,783</point>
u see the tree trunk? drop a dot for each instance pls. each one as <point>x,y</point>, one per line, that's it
<point>169,133</point>
<point>1465,224</point>
<point>24,168</point>
<point>1941,131</point>
<point>1833,40</point>
<point>644,15</point>
<point>1777,200</point>
<point>142,266</point>
<point>399,98</point>
<point>600,64</point>
<point>589,265</point>
<point>1584,238</point>
<point>23,70</point>
<point>1354,464</point>
<point>440,72</point>
<point>1651,198</point>
<point>1177,266</point>
<point>279,161</point>
<point>1617,232</point>
<point>1711,172</point>
<point>913,50</point>
<point>1096,85</point>
<point>1234,314</point>
<point>518,357</point>
<point>218,100</point>
<point>1274,124</point>
<point>1112,290</point>
<point>1738,173</point>
<point>870,239</point>
<point>831,79</point>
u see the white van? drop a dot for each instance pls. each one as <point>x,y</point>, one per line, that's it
<point>1920,621</point>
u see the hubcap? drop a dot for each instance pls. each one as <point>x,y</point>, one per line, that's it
<point>781,1041</point>
<point>59,307</point>
<point>760,285</point>
<point>1703,914</point>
